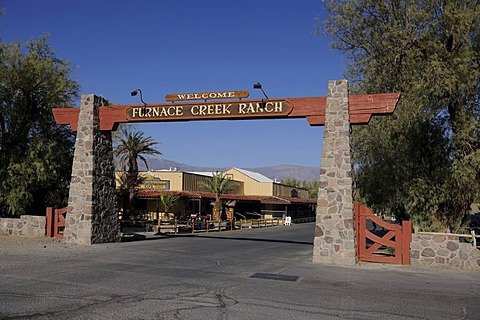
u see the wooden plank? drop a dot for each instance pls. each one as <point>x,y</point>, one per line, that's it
<point>385,240</point>
<point>66,116</point>
<point>362,107</point>
<point>406,240</point>
<point>49,217</point>
<point>363,239</point>
<point>379,221</point>
<point>308,106</point>
<point>379,258</point>
<point>356,209</point>
<point>381,103</point>
<point>207,95</point>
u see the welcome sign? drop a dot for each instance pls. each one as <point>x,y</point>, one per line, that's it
<point>210,110</point>
<point>207,95</point>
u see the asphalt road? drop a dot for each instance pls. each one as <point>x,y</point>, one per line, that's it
<point>228,275</point>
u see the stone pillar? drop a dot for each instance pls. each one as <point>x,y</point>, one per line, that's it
<point>334,241</point>
<point>92,210</point>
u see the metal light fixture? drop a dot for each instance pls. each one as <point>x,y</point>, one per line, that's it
<point>258,85</point>
<point>135,92</point>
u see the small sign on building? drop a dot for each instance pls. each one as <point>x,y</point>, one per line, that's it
<point>154,183</point>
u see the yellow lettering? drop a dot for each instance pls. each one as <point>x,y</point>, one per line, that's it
<point>171,111</point>
<point>163,113</point>
<point>211,109</point>
<point>147,115</point>
<point>194,110</point>
<point>226,109</point>
<point>267,107</point>
<point>134,112</point>
<point>179,111</point>
<point>260,107</point>
<point>278,106</point>
<point>241,108</point>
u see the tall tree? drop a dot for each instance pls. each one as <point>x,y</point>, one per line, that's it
<point>132,146</point>
<point>35,153</point>
<point>423,162</point>
<point>311,186</point>
<point>218,185</point>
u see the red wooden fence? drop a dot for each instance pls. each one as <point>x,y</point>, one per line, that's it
<point>56,222</point>
<point>396,237</point>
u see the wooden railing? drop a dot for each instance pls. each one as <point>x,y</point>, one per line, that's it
<point>218,225</point>
<point>55,222</point>
<point>395,241</point>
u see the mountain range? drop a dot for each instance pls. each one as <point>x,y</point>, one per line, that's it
<point>278,172</point>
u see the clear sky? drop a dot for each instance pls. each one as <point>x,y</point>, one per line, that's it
<point>182,46</point>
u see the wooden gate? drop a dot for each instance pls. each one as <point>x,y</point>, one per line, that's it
<point>56,222</point>
<point>388,244</point>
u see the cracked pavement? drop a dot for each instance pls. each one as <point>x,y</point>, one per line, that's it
<point>208,276</point>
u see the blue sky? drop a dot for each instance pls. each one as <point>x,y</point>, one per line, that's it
<point>181,46</point>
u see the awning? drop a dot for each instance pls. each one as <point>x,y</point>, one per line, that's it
<point>230,200</point>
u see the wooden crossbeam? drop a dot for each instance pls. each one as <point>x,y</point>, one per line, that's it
<point>361,107</point>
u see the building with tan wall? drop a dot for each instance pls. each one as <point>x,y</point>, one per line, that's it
<point>253,196</point>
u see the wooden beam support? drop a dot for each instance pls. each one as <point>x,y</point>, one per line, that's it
<point>361,108</point>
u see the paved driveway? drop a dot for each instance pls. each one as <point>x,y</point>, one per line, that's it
<point>252,274</point>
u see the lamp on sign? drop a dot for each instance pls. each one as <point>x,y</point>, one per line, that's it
<point>134,93</point>
<point>258,85</point>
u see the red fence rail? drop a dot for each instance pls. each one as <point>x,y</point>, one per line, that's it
<point>395,236</point>
<point>55,222</point>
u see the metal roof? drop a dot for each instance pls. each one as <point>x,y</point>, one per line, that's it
<point>254,175</point>
<point>201,173</point>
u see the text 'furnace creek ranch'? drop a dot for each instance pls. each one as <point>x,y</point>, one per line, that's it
<point>221,110</point>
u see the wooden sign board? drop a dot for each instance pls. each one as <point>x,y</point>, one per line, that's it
<point>361,107</point>
<point>207,95</point>
<point>154,183</point>
<point>234,110</point>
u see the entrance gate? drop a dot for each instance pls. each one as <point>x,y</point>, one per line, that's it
<point>92,215</point>
<point>388,244</point>
<point>55,222</point>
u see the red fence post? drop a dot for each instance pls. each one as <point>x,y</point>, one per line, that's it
<point>406,240</point>
<point>49,217</point>
<point>59,222</point>
<point>356,211</point>
<point>55,223</point>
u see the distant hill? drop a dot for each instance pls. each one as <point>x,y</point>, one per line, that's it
<point>279,172</point>
<point>288,171</point>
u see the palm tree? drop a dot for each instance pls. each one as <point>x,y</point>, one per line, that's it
<point>167,201</point>
<point>132,146</point>
<point>219,184</point>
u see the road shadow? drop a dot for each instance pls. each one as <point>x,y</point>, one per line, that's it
<point>243,238</point>
<point>130,237</point>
